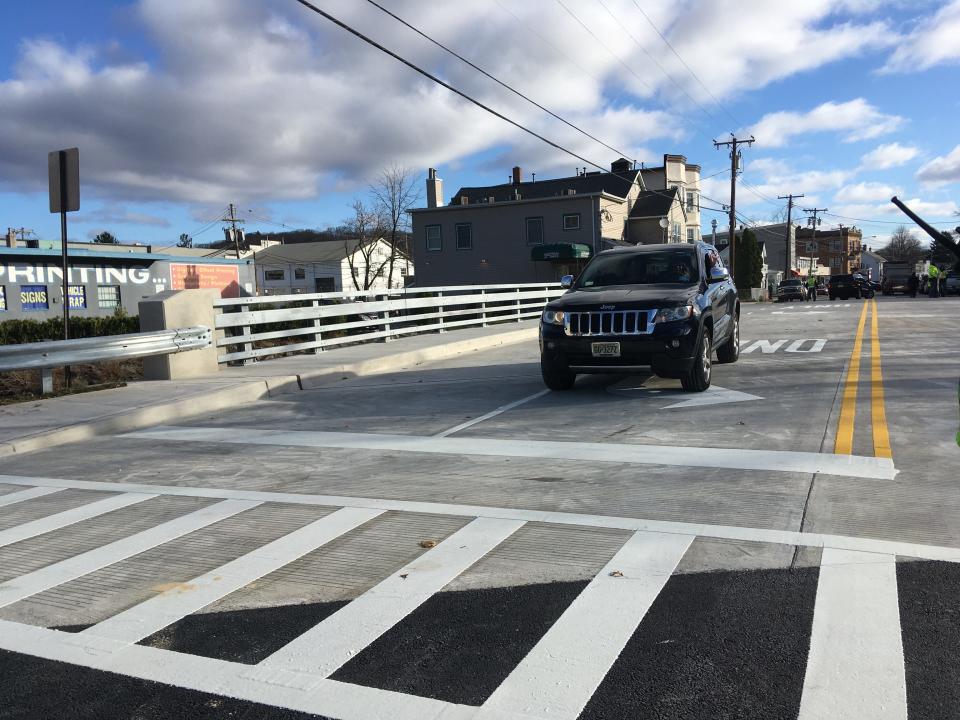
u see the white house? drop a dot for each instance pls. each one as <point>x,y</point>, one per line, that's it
<point>872,264</point>
<point>328,266</point>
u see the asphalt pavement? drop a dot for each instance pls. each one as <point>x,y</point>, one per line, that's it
<point>452,541</point>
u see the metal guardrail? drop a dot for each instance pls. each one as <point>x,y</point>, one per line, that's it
<point>312,322</point>
<point>58,353</point>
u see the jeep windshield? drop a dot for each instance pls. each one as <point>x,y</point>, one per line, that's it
<point>640,268</point>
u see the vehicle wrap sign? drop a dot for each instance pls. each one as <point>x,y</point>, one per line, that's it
<point>34,297</point>
<point>78,297</point>
<point>225,278</point>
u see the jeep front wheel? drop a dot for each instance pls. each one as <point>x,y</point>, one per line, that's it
<point>697,379</point>
<point>557,377</point>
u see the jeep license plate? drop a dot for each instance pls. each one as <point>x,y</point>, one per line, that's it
<point>606,349</point>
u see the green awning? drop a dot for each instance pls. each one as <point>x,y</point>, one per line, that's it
<point>561,251</point>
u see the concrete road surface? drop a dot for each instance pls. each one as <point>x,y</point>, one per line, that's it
<point>454,541</point>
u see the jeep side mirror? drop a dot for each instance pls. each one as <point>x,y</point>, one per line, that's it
<point>718,274</point>
<point>566,281</point>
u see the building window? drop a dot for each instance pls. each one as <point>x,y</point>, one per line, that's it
<point>299,274</point>
<point>464,236</point>
<point>835,263</point>
<point>836,246</point>
<point>676,232</point>
<point>691,237</point>
<point>811,247</point>
<point>78,297</point>
<point>34,298</point>
<point>434,239</point>
<point>571,221</point>
<point>108,296</point>
<point>273,275</point>
<point>3,298</point>
<point>534,226</point>
<point>692,202</point>
<point>324,284</point>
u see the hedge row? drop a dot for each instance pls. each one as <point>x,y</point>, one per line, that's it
<point>14,332</point>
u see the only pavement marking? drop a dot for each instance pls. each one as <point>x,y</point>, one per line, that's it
<point>731,458</point>
<point>29,494</point>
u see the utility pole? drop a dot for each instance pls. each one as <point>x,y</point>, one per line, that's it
<point>813,221</point>
<point>789,199</point>
<point>233,220</point>
<point>713,225</point>
<point>733,143</point>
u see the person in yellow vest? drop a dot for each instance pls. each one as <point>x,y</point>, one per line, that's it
<point>812,287</point>
<point>933,275</point>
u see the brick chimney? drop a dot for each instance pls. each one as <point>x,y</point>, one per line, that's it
<point>517,175</point>
<point>11,240</point>
<point>434,189</point>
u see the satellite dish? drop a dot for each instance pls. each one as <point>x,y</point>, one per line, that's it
<point>664,223</point>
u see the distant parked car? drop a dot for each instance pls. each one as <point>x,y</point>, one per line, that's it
<point>951,286</point>
<point>844,287</point>
<point>791,289</point>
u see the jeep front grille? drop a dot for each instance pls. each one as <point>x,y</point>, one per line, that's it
<point>609,322</point>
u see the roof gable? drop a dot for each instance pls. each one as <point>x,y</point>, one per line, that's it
<point>618,184</point>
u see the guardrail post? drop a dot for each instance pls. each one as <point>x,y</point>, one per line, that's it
<point>440,310</point>
<point>519,302</point>
<point>483,307</point>
<point>317,324</point>
<point>46,381</point>
<point>385,316</point>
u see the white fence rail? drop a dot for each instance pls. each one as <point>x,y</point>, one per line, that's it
<point>257,327</point>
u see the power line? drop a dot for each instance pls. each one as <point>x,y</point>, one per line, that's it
<point>886,222</point>
<point>556,49</point>
<point>605,46</point>
<point>448,86</point>
<point>755,191</point>
<point>654,61</point>
<point>496,79</point>
<point>684,62</point>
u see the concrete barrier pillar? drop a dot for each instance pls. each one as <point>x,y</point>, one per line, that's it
<point>180,309</point>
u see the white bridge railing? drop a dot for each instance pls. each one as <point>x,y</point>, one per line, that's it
<point>261,326</point>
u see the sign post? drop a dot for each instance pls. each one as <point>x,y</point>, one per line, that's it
<point>63,169</point>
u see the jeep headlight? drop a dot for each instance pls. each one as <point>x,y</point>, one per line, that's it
<point>674,313</point>
<point>553,317</point>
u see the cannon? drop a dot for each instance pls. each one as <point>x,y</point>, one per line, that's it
<point>929,229</point>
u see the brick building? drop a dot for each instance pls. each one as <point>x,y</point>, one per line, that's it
<point>839,249</point>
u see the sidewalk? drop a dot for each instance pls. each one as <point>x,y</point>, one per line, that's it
<point>29,426</point>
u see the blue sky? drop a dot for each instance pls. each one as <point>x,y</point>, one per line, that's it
<point>180,107</point>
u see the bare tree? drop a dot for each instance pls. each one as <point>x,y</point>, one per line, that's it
<point>903,247</point>
<point>362,236</point>
<point>395,191</point>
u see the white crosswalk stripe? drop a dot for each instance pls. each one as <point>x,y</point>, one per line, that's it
<point>855,666</point>
<point>70,517</point>
<point>28,494</point>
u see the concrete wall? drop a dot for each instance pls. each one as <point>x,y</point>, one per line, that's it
<point>500,253</point>
<point>175,309</point>
<point>37,275</point>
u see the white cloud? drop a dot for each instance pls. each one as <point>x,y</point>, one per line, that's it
<point>856,120</point>
<point>941,170</point>
<point>865,192</point>
<point>934,42</point>
<point>929,210</point>
<point>888,156</point>
<point>116,215</point>
<point>271,102</point>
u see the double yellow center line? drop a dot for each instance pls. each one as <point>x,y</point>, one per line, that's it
<point>848,408</point>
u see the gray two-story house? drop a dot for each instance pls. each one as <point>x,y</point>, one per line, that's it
<point>539,230</point>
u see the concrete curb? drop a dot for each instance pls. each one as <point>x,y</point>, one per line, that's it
<point>247,390</point>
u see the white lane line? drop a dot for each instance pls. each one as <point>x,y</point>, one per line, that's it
<point>29,494</point>
<point>70,517</point>
<point>324,697</point>
<point>727,532</point>
<point>560,674</point>
<point>855,666</point>
<point>158,612</point>
<point>735,459</point>
<point>88,562</point>
<point>330,644</point>
<point>492,413</point>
